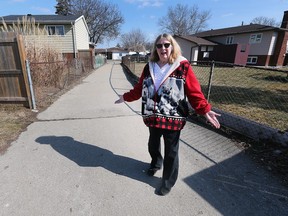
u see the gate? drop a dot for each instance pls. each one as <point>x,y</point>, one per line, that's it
<point>14,86</point>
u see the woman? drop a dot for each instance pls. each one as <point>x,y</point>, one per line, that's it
<point>166,81</point>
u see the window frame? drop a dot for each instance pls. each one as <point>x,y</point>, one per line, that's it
<point>48,27</point>
<point>203,48</point>
<point>229,40</point>
<point>206,54</point>
<point>243,48</point>
<point>251,58</point>
<point>255,38</point>
<point>210,48</point>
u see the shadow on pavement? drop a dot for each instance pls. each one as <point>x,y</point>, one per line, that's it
<point>87,155</point>
<point>233,188</point>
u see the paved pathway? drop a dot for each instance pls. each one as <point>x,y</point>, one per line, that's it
<point>87,156</point>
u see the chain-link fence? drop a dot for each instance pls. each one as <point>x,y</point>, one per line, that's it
<point>257,94</point>
<point>131,65</point>
<point>253,101</point>
<point>99,61</point>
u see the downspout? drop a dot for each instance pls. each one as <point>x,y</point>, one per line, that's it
<point>74,40</point>
<point>31,86</point>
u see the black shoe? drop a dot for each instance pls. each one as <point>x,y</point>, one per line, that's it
<point>163,191</point>
<point>152,171</point>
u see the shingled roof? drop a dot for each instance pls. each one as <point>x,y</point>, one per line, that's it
<point>199,41</point>
<point>43,19</point>
<point>237,30</point>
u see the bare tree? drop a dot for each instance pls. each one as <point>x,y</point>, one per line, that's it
<point>134,40</point>
<point>184,20</point>
<point>149,46</point>
<point>103,19</point>
<point>266,21</point>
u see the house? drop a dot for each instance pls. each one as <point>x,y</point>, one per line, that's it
<point>69,34</point>
<point>113,53</point>
<point>191,46</point>
<point>253,44</point>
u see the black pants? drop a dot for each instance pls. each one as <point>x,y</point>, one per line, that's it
<point>171,159</point>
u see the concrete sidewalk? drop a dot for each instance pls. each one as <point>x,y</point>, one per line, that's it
<point>87,156</point>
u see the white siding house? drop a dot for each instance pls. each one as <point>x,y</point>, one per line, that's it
<point>69,34</point>
<point>81,34</point>
<point>190,46</point>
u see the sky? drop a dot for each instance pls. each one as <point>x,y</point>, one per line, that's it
<point>145,14</point>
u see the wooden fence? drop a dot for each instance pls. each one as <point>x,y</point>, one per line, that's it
<point>14,84</point>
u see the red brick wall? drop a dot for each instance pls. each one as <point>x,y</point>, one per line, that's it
<point>278,59</point>
<point>280,49</point>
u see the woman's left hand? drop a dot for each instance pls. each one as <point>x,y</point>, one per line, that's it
<point>211,117</point>
<point>120,100</point>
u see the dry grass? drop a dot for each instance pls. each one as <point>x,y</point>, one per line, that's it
<point>25,26</point>
<point>13,120</point>
<point>256,94</point>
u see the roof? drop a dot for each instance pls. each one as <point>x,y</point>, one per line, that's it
<point>237,30</point>
<point>112,49</point>
<point>43,19</point>
<point>199,41</point>
<point>117,49</point>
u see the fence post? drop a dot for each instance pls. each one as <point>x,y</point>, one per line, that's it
<point>22,59</point>
<point>210,80</point>
<point>30,85</point>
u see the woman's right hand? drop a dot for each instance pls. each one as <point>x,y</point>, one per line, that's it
<point>212,118</point>
<point>120,100</point>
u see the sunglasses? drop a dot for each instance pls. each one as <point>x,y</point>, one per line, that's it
<point>166,45</point>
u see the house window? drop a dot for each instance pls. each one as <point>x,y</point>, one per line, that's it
<point>252,60</point>
<point>55,30</point>
<point>255,38</point>
<point>203,48</point>
<point>210,48</point>
<point>229,40</point>
<point>205,54</point>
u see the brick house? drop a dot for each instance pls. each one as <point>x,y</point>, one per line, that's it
<point>252,44</point>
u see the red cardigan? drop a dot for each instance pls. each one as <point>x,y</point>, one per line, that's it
<point>187,82</point>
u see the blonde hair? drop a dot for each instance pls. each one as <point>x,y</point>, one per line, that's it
<point>175,52</point>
